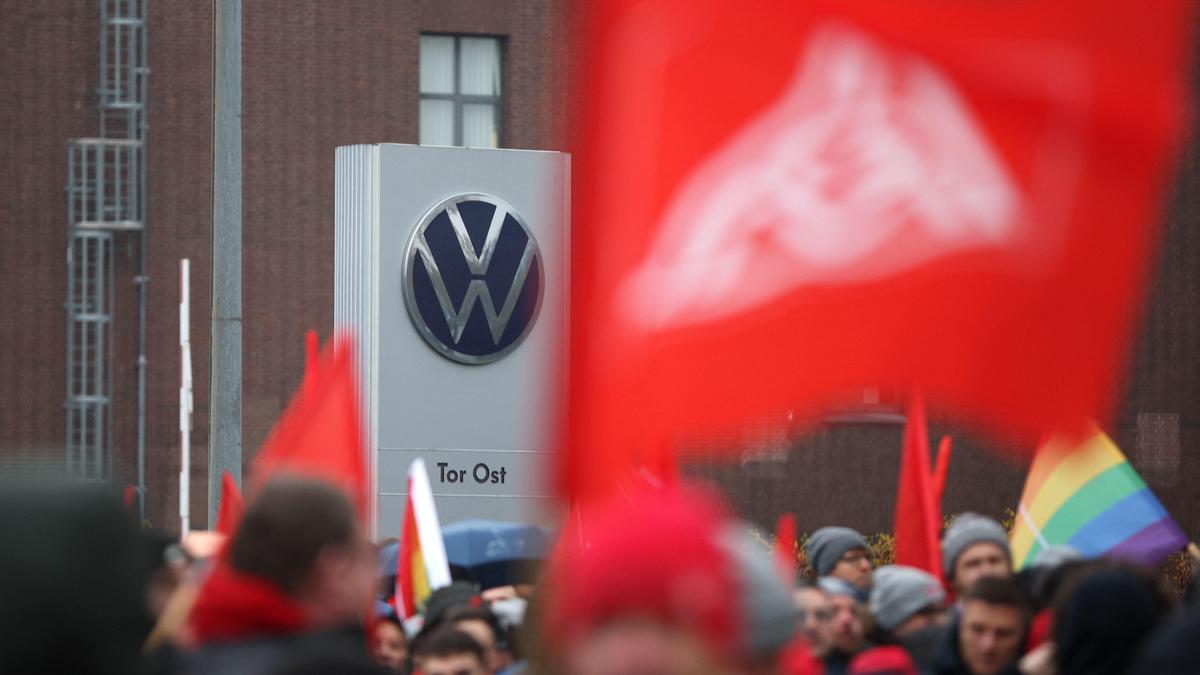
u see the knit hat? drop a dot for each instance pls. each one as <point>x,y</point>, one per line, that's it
<point>676,556</point>
<point>827,545</point>
<point>967,530</point>
<point>900,592</point>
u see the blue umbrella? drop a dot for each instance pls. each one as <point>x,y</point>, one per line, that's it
<point>389,555</point>
<point>494,553</point>
<point>489,552</point>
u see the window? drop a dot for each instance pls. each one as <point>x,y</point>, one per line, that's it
<point>460,91</point>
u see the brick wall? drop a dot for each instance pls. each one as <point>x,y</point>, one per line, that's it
<point>316,75</point>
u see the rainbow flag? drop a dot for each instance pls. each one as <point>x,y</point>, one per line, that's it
<point>421,566</point>
<point>1087,495</point>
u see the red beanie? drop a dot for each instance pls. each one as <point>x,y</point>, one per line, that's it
<point>656,554</point>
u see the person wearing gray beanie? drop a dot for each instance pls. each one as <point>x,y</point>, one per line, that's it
<point>974,547</point>
<point>906,599</point>
<point>840,552</point>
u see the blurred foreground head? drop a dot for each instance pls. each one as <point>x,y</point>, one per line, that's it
<point>303,535</point>
<point>1105,613</point>
<point>72,578</point>
<point>297,561</point>
<point>665,582</point>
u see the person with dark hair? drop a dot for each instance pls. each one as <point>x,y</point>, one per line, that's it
<point>449,651</point>
<point>389,643</point>
<point>1103,617</point>
<point>1173,650</point>
<point>294,582</point>
<point>73,575</point>
<point>481,624</point>
<point>988,635</point>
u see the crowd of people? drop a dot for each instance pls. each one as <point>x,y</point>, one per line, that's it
<point>666,582</point>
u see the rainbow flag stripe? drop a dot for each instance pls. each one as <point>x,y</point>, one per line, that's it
<point>1088,496</point>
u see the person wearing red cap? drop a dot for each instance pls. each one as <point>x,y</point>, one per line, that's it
<point>666,583</point>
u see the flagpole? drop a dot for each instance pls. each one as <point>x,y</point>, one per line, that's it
<point>185,398</point>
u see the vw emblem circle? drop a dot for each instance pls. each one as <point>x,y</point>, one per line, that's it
<point>473,278</point>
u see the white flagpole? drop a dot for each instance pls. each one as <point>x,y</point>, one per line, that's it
<point>185,398</point>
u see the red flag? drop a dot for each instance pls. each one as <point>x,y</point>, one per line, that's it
<point>779,200</point>
<point>945,447</point>
<point>785,546</point>
<point>320,433</point>
<point>918,520</point>
<point>230,510</point>
<point>129,499</point>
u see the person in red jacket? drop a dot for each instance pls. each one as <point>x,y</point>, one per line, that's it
<point>290,589</point>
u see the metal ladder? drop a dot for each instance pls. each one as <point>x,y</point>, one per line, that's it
<point>106,195</point>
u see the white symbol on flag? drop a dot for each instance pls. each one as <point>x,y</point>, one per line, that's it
<point>870,164</point>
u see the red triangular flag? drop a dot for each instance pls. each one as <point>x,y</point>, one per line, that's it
<point>918,522</point>
<point>230,510</point>
<point>320,433</point>
<point>785,546</point>
<point>939,474</point>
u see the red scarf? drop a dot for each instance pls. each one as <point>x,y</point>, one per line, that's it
<point>236,606</point>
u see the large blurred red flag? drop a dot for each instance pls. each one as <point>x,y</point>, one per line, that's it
<point>778,200</point>
<point>918,524</point>
<point>320,433</point>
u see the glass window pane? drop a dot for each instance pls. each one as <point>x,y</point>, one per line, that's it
<point>437,64</point>
<point>437,122</point>
<point>479,126</point>
<point>480,66</point>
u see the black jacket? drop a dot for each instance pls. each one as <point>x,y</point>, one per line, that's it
<point>340,651</point>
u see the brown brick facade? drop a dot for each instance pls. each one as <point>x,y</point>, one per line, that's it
<point>322,74</point>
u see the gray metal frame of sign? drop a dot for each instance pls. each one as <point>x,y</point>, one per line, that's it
<point>418,403</point>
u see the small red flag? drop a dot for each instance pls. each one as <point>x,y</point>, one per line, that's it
<point>129,498</point>
<point>918,519</point>
<point>320,434</point>
<point>939,473</point>
<point>785,546</point>
<point>230,510</point>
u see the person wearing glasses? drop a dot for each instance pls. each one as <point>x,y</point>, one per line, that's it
<point>843,553</point>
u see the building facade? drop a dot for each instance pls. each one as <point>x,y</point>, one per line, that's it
<point>318,75</point>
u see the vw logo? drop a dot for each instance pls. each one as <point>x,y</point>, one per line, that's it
<point>472,278</point>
